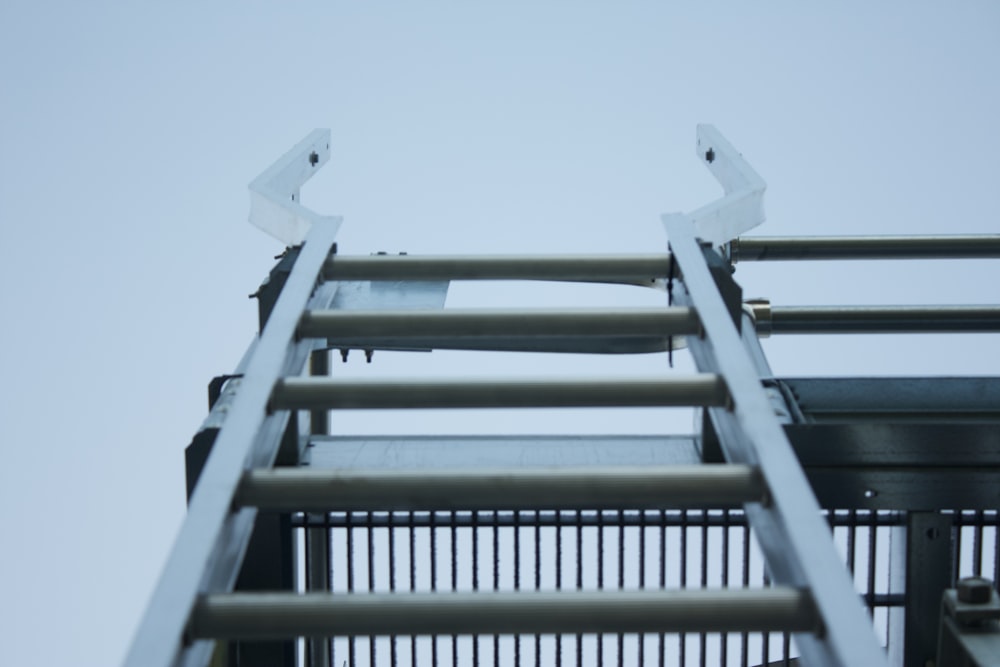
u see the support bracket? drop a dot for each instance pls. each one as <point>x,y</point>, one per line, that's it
<point>275,205</point>
<point>742,207</point>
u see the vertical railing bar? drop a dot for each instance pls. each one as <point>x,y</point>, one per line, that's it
<point>496,581</point>
<point>579,579</point>
<point>475,576</point>
<point>957,541</point>
<point>454,581</point>
<point>371,578</point>
<point>703,637</point>
<point>977,546</point>
<point>538,579</point>
<point>328,530</point>
<point>600,577</point>
<point>642,576</point>
<point>765,655</point>
<point>307,561</point>
<point>661,648</point>
<point>996,552</point>
<point>724,648</point>
<point>872,555</point>
<point>745,636</point>
<point>433,537</point>
<point>684,555</point>
<point>851,539</point>
<point>413,580</point>
<point>786,648</point>
<point>559,556</point>
<point>621,580</point>
<point>517,578</point>
<point>392,583</point>
<point>351,647</point>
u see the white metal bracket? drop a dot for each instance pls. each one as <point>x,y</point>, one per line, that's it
<point>274,195</point>
<point>742,207</point>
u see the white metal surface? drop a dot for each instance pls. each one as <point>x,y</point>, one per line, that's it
<point>274,195</point>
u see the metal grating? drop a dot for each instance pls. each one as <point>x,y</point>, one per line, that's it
<point>547,550</point>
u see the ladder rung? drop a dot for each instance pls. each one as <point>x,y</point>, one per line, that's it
<point>506,322</point>
<point>639,487</point>
<point>289,615</point>
<point>637,269</point>
<point>304,393</point>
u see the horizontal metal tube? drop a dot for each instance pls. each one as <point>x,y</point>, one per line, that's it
<point>964,246</point>
<point>302,393</point>
<point>635,269</point>
<point>500,322</point>
<point>288,615</point>
<point>882,319</point>
<point>640,487</point>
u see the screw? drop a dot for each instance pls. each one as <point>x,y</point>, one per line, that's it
<point>975,590</point>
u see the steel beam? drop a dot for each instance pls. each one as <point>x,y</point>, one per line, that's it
<point>770,248</point>
<point>645,487</point>
<point>302,393</point>
<point>643,269</point>
<point>263,616</point>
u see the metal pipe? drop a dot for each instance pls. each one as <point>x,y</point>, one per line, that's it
<point>258,616</point>
<point>639,268</point>
<point>639,487</point>
<point>303,393</point>
<point>875,319</point>
<point>965,246</point>
<point>500,322</point>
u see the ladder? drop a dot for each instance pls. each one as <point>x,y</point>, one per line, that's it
<point>280,397</point>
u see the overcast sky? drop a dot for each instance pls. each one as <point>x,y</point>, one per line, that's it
<point>129,132</point>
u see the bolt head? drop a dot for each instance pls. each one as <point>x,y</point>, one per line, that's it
<point>975,590</point>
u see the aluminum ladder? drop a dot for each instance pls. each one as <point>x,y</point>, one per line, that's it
<point>265,413</point>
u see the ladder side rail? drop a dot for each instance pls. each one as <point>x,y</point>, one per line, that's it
<point>209,547</point>
<point>797,543</point>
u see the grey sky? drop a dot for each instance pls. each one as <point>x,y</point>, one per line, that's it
<point>129,133</point>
